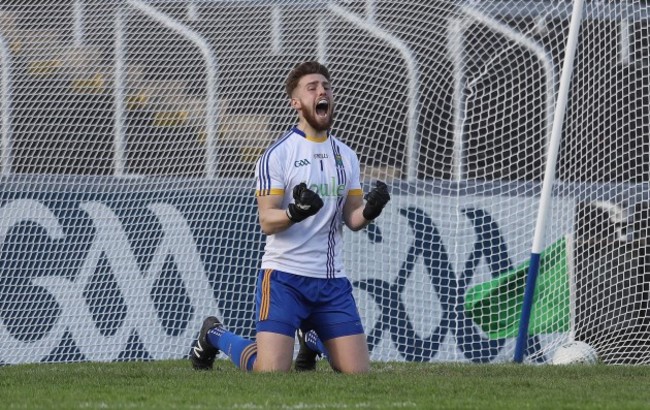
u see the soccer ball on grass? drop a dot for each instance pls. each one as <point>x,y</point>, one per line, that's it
<point>575,352</point>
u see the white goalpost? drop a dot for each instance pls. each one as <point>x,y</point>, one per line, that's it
<point>130,130</point>
<point>549,178</point>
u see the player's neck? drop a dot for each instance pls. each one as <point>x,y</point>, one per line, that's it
<point>310,132</point>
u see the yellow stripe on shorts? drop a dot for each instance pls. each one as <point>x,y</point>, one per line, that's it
<point>266,294</point>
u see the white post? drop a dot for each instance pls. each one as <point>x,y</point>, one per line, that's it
<point>558,122</point>
<point>570,248</point>
<point>549,176</point>
<point>276,30</point>
<point>79,23</point>
<point>5,82</point>
<point>455,29</point>
<point>624,42</point>
<point>321,42</point>
<point>119,139</point>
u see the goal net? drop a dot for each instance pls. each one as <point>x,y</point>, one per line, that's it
<point>130,130</point>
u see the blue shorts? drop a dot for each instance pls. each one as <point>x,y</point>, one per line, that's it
<point>285,302</point>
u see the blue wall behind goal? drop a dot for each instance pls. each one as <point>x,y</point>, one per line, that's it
<point>49,230</point>
<point>135,258</point>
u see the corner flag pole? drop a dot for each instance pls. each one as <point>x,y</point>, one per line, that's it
<point>549,177</point>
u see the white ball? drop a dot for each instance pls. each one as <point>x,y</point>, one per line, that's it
<point>575,352</point>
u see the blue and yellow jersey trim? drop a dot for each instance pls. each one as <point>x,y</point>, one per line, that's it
<point>264,175</point>
<point>280,191</point>
<point>267,192</point>
<point>309,137</point>
<point>315,139</point>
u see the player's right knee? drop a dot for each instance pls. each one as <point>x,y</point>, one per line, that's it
<point>270,366</point>
<point>351,368</point>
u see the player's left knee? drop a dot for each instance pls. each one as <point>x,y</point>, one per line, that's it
<point>359,368</point>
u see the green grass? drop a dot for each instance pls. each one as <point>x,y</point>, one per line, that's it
<point>173,385</point>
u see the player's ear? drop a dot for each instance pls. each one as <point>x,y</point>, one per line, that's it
<point>295,103</point>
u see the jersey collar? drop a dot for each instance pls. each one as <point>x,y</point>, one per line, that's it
<point>308,137</point>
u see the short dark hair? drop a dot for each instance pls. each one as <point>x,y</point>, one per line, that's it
<point>301,70</point>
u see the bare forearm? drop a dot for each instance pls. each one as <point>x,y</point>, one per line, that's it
<point>356,221</point>
<point>273,221</point>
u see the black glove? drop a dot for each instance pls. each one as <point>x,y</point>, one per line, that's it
<point>306,203</point>
<point>376,200</point>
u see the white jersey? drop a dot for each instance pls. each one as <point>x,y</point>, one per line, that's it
<point>312,247</point>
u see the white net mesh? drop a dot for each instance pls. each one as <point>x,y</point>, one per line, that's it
<point>130,130</point>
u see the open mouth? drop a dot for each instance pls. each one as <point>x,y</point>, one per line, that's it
<point>322,108</point>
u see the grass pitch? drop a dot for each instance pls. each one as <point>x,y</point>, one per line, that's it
<point>174,385</point>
